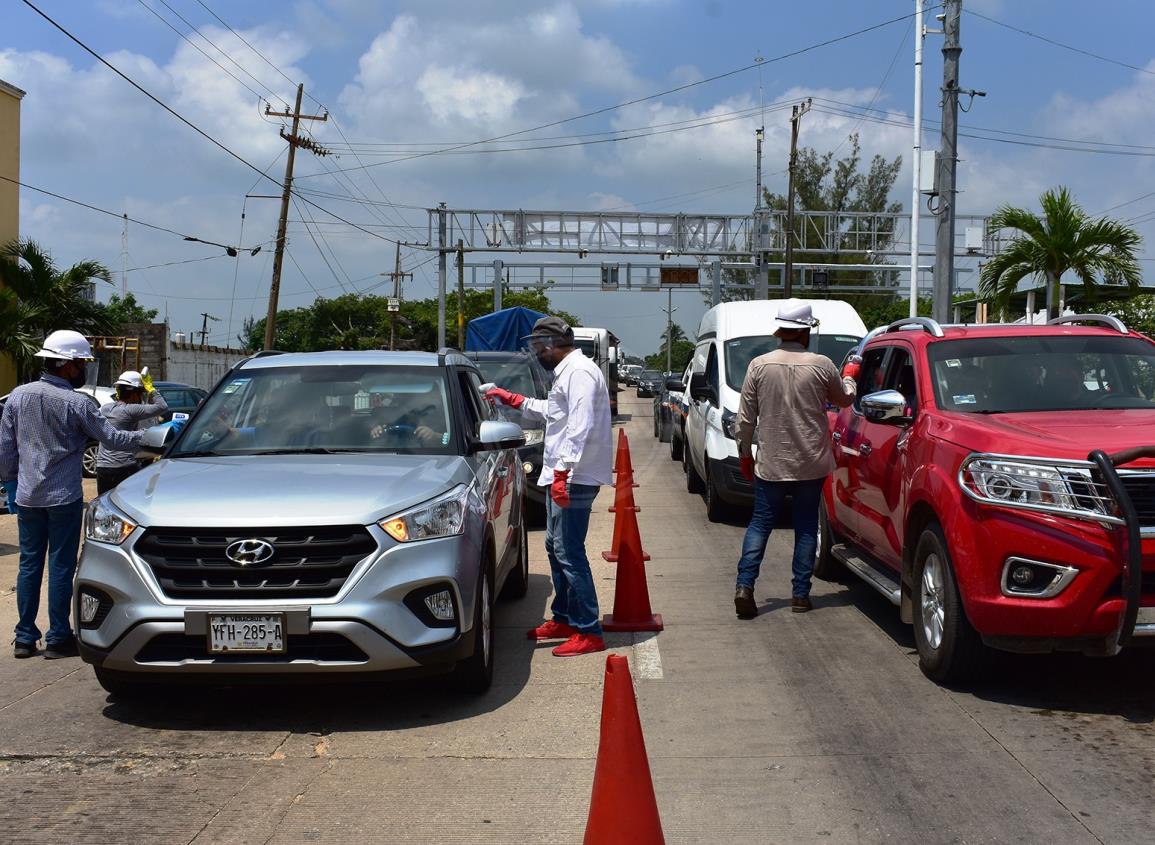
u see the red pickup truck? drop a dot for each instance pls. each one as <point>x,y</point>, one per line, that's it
<point>976,487</point>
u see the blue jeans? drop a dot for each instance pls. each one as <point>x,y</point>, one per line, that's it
<point>53,531</point>
<point>575,602</point>
<point>768,499</point>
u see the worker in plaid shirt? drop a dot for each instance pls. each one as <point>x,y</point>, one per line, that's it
<point>43,433</point>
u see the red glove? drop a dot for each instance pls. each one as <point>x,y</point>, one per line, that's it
<point>559,490</point>
<point>852,369</point>
<point>502,395</point>
<point>747,464</point>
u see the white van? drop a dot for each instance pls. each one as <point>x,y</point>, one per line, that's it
<point>730,336</point>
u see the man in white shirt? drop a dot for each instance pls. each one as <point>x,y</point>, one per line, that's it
<point>577,461</point>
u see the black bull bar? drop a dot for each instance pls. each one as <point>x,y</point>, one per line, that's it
<point>1132,569</point>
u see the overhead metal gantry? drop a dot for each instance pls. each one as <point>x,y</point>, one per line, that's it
<point>711,239</point>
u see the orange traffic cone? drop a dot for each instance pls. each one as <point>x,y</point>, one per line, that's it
<point>623,468</point>
<point>623,501</point>
<point>623,808</point>
<point>631,597</point>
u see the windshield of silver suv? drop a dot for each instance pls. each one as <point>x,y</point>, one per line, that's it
<point>285,410</point>
<point>994,375</point>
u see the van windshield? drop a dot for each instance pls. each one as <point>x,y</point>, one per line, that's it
<point>589,348</point>
<point>740,351</point>
<point>317,409</point>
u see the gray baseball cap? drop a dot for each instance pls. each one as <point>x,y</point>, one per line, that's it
<point>551,328</point>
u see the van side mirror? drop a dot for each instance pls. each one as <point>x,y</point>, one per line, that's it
<point>700,389</point>
<point>674,383</point>
<point>887,407</point>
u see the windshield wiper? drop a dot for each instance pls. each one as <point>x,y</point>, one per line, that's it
<point>989,411</point>
<point>202,453</point>
<point>303,450</point>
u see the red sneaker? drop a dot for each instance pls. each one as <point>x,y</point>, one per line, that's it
<point>580,644</point>
<point>551,631</point>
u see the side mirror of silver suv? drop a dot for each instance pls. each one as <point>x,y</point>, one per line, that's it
<point>157,439</point>
<point>499,434</point>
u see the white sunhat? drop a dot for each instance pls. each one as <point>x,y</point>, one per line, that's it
<point>66,345</point>
<point>130,378</point>
<point>795,314</point>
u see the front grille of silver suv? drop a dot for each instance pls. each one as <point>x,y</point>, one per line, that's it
<point>306,562</point>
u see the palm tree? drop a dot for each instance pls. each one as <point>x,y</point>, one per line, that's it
<point>1063,239</point>
<point>36,298</point>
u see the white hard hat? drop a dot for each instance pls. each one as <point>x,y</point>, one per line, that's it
<point>130,378</point>
<point>795,314</point>
<point>66,345</point>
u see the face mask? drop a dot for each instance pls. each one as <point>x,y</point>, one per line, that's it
<point>78,379</point>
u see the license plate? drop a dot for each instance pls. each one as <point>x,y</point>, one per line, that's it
<point>246,632</point>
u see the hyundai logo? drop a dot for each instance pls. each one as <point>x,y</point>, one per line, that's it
<point>252,552</point>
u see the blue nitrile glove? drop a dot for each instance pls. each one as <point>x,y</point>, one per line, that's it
<point>178,424</point>
<point>10,490</point>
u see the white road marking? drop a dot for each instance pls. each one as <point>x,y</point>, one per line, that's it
<point>647,657</point>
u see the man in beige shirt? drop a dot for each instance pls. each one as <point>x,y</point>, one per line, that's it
<point>784,399</point>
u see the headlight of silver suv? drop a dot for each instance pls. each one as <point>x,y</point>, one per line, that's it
<point>105,524</point>
<point>440,517</point>
<point>1065,489</point>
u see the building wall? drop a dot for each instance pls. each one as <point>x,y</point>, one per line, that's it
<point>9,193</point>
<point>200,366</point>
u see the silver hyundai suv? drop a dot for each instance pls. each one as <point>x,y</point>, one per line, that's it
<point>331,513</point>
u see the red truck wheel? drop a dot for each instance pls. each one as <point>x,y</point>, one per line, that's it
<point>826,566</point>
<point>949,649</point>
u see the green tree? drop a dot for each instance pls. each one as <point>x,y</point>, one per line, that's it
<point>681,348</point>
<point>1063,239</point>
<point>38,298</point>
<point>824,184</point>
<point>363,322</point>
<point>128,310</point>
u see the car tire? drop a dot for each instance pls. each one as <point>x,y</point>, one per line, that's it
<point>665,434</point>
<point>694,483</point>
<point>88,460</point>
<point>121,689</point>
<point>675,445</point>
<point>949,649</point>
<point>517,582</point>
<point>826,566</point>
<point>657,427</point>
<point>475,673</point>
<point>716,508</point>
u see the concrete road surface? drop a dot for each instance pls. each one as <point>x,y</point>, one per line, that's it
<point>791,728</point>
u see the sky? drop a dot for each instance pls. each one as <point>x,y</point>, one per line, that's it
<point>420,76</point>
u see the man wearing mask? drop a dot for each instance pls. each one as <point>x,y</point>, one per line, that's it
<point>43,432</point>
<point>126,414</point>
<point>784,399</point>
<point>577,461</point>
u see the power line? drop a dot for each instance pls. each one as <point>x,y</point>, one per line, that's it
<point>791,54</point>
<point>183,119</point>
<point>198,48</point>
<point>174,263</point>
<point>1060,44</point>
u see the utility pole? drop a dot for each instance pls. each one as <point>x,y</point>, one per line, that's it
<point>279,255</point>
<point>124,259</point>
<point>670,309</point>
<point>460,293</point>
<point>397,276</point>
<point>916,159</point>
<point>788,270</point>
<point>441,280</point>
<point>204,332</point>
<point>762,272</point>
<point>948,159</point>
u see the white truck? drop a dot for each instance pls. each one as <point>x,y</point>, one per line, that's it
<point>601,346</point>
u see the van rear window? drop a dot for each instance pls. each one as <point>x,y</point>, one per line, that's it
<point>742,350</point>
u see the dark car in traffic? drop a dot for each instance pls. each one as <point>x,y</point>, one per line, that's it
<point>519,372</point>
<point>181,398</point>
<point>649,382</point>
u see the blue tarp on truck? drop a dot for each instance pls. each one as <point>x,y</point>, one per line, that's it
<point>501,331</point>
